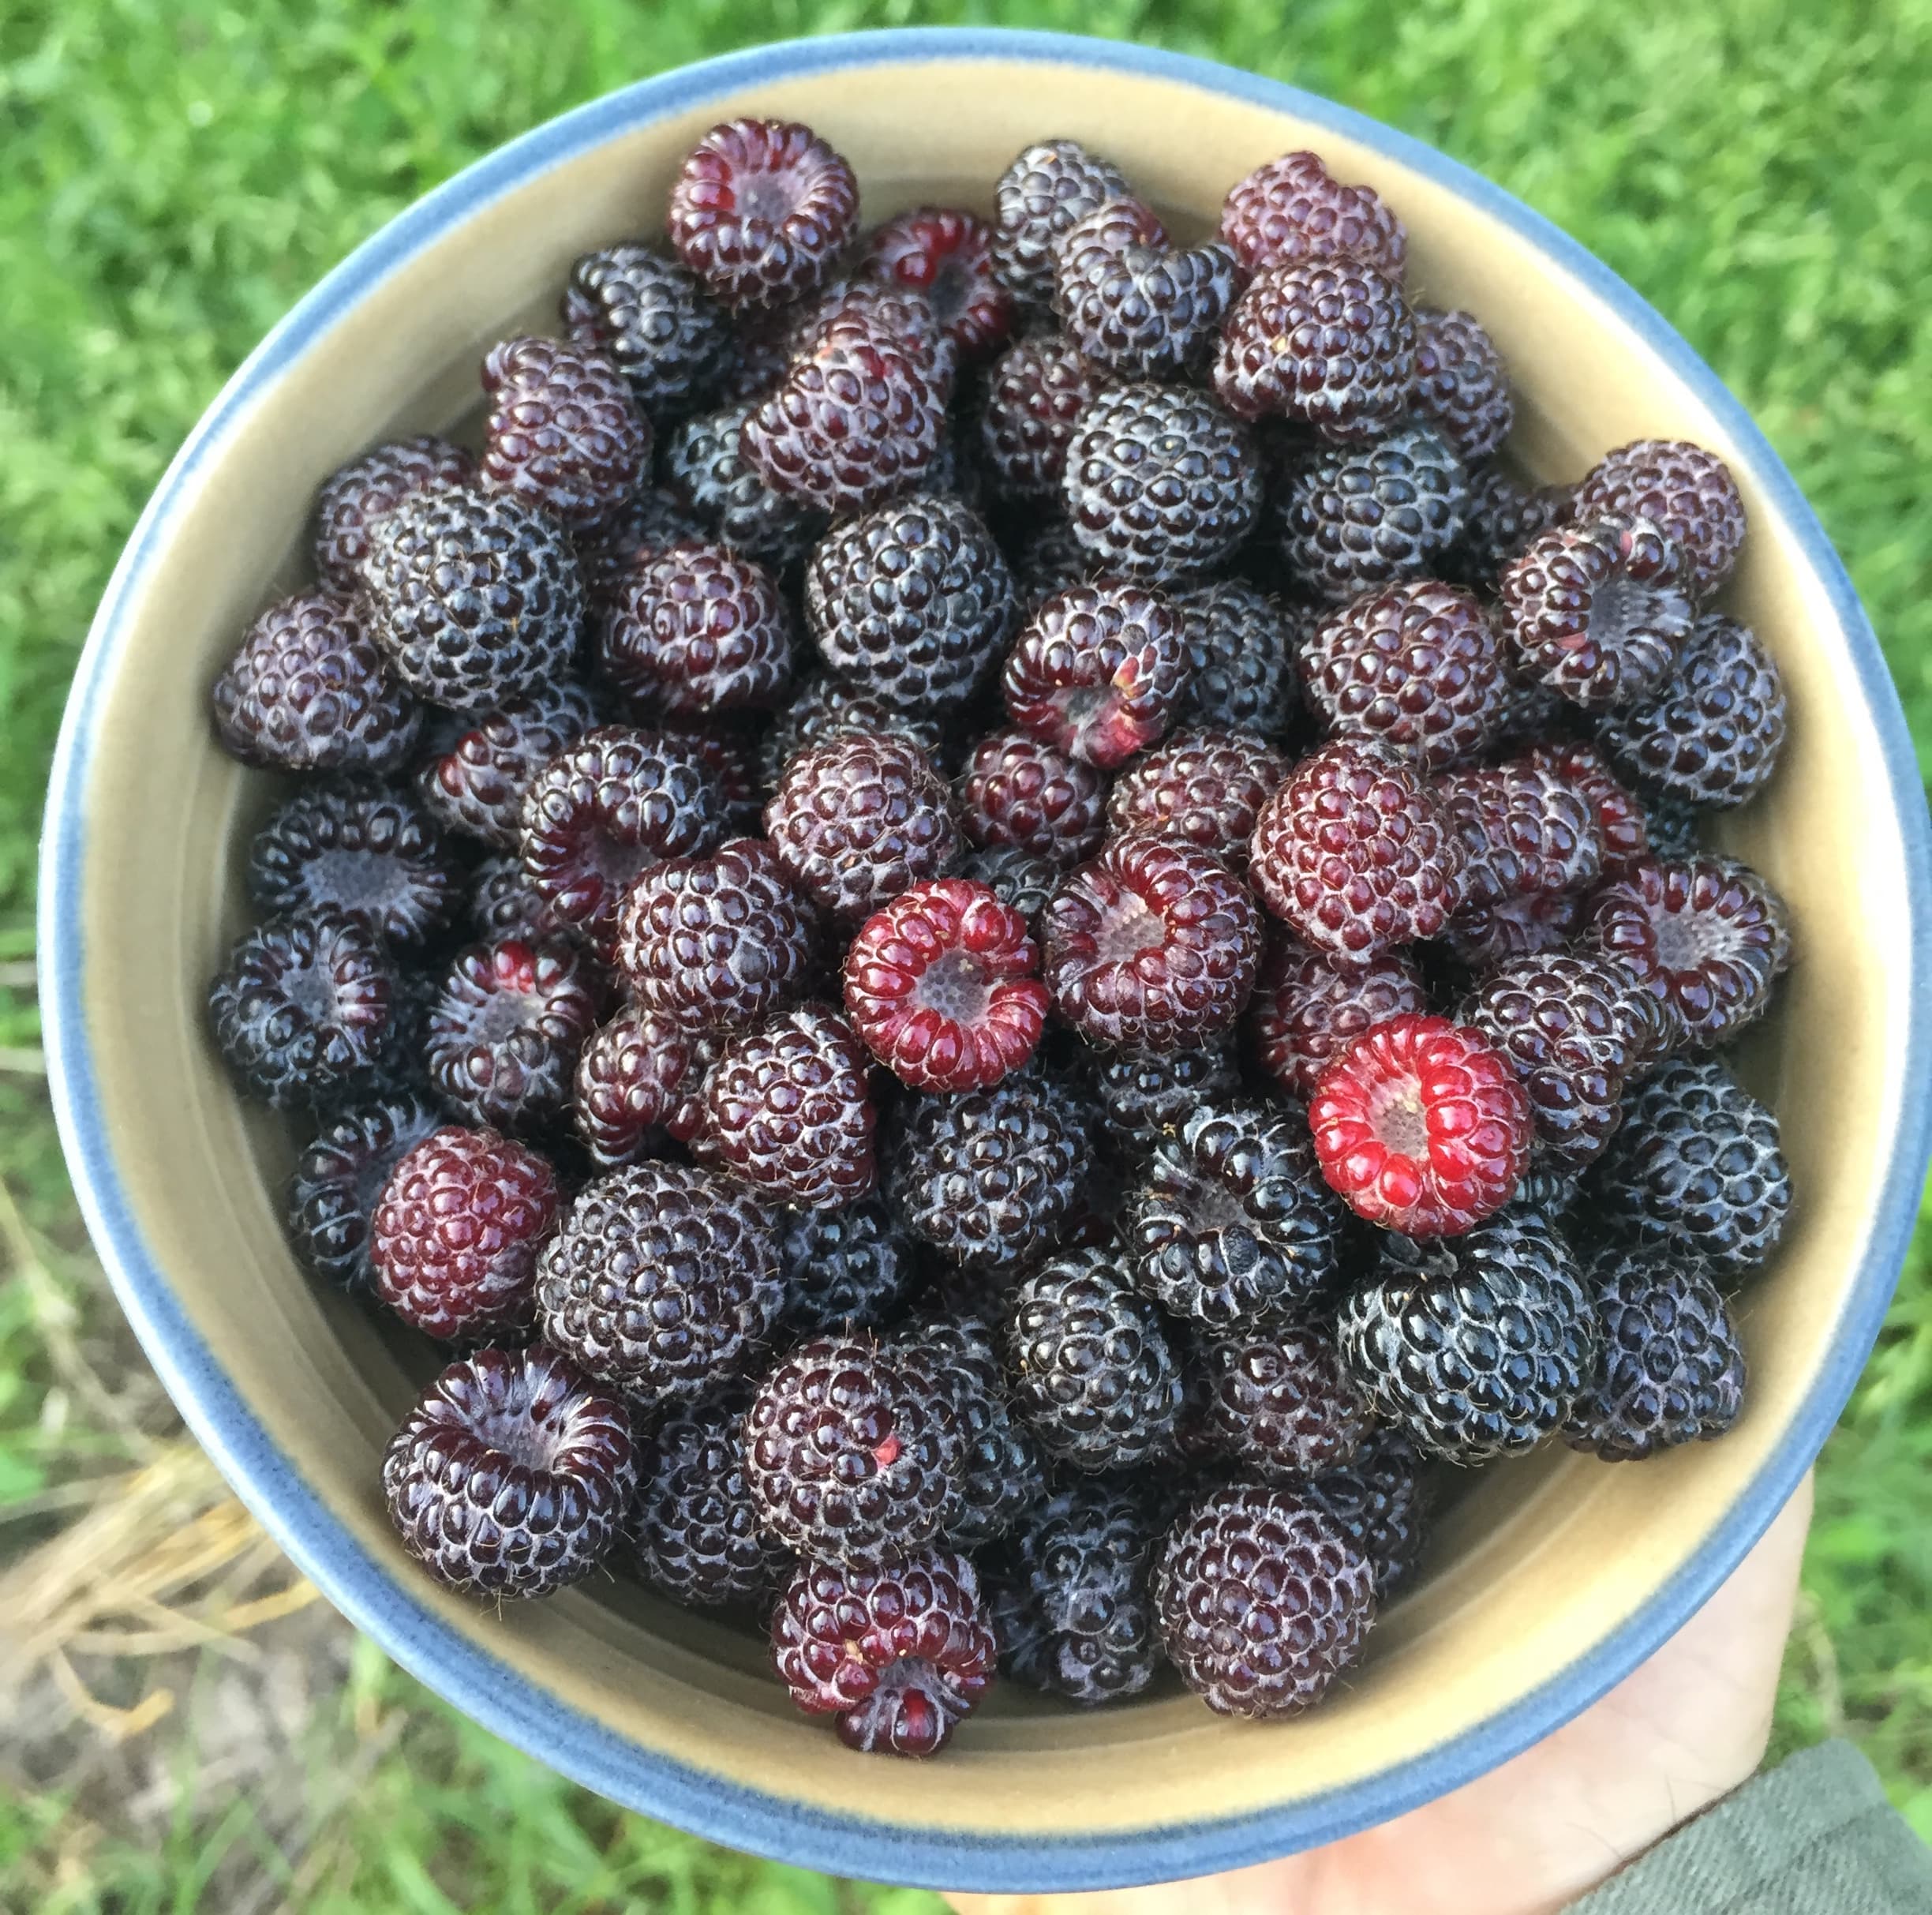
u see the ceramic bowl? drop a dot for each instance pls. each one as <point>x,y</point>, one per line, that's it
<point>1548,1580</point>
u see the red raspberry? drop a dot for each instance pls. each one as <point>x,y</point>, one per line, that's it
<point>1134,303</point>
<point>1034,398</point>
<point>1097,671</point>
<point>640,1075</point>
<point>1047,188</point>
<point>1421,1126</point>
<point>308,691</point>
<point>1019,790</point>
<point>856,821</point>
<point>505,1033</point>
<point>1205,786</point>
<point>699,629</point>
<point>856,420</point>
<point>612,804</point>
<point>1525,830</point>
<point>478,785</point>
<point>511,1475</point>
<point>367,488</point>
<point>457,1229</point>
<point>1356,852</point>
<point>788,1111</point>
<point>1308,1005</point>
<point>1292,208</point>
<point>1152,946</point>
<point>897,1656</point>
<point>942,985</point>
<point>1417,666</point>
<point>761,211</point>
<point>716,941</point>
<point>947,256</point>
<point>1328,344</point>
<point>1462,383</point>
<point>1596,610</point>
<point>1687,492</point>
<point>563,431</point>
<point>1707,937</point>
<point>1525,926</point>
<point>1618,816</point>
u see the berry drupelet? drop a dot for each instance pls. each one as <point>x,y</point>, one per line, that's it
<point>564,431</point>
<point>333,1189</point>
<point>1132,304</point>
<point>911,603</point>
<point>476,787</point>
<point>1353,516</point>
<point>1711,733</point>
<point>357,848</point>
<point>506,1029</point>
<point>1696,1169</point>
<point>846,1269</point>
<point>716,941</point>
<point>1069,1598</point>
<point>1685,492</point>
<point>897,1656</point>
<point>988,1178</point>
<point>309,690</point>
<point>1263,1600</point>
<point>1097,670</point>
<point>1280,1402</point>
<point>1020,791</point>
<point>1478,1347</point>
<point>1707,937</point>
<point>788,1110</point>
<point>857,820</point>
<point>651,317</point>
<point>698,628</point>
<point>1034,395</point>
<point>475,599</point>
<point>611,806</point>
<point>638,1079</point>
<point>1672,1369</point>
<point>706,469</point>
<point>1092,1374</point>
<point>1597,610</point>
<point>512,1476</point>
<point>1292,209</point>
<point>1242,649</point>
<point>693,1530</point>
<point>1308,1005</point>
<point>663,1280</point>
<point>1355,853</point>
<point>360,494</point>
<point>852,1453</point>
<point>1417,666</point>
<point>1422,1126</point>
<point>1325,343</point>
<point>761,212</point>
<point>1232,1221</point>
<point>456,1232</point>
<point>1160,482</point>
<point>946,256</point>
<point>1153,945</point>
<point>1048,189</point>
<point>942,985</point>
<point>304,1011</point>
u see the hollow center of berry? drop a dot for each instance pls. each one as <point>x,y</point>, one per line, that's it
<point>309,989</point>
<point>1402,1126</point>
<point>499,1014</point>
<point>949,289</point>
<point>1682,940</point>
<point>910,1709</point>
<point>613,861</point>
<point>954,986</point>
<point>521,1438</point>
<point>764,196</point>
<point>1618,607</point>
<point>1131,927</point>
<point>357,880</point>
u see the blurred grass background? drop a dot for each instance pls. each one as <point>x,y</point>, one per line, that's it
<point>184,1727</point>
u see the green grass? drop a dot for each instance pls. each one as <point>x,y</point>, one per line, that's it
<point>177,174</point>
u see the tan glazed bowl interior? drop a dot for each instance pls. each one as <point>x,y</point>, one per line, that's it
<point>1546,1581</point>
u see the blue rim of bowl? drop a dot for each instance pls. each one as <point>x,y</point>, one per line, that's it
<point>374,1594</point>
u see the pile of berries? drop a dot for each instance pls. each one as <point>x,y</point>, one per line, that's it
<point>998,935</point>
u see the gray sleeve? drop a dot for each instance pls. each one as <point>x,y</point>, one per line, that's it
<point>1815,1836</point>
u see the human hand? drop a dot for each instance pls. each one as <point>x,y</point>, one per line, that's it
<point>1686,1728</point>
